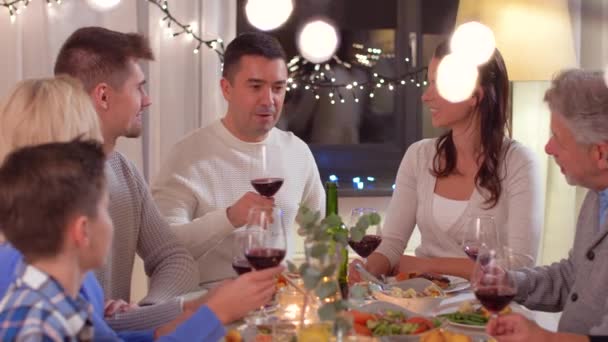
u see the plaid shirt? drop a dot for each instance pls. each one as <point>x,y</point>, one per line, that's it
<point>36,308</point>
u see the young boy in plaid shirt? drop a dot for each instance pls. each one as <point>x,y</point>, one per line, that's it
<point>54,210</point>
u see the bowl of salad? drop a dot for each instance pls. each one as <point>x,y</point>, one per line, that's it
<point>390,322</point>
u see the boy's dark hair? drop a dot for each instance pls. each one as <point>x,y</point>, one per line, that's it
<point>43,187</point>
<point>250,44</point>
<point>95,54</point>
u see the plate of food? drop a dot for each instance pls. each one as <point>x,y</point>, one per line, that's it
<point>391,322</point>
<point>456,284</point>
<point>447,283</point>
<point>467,314</point>
<point>417,295</point>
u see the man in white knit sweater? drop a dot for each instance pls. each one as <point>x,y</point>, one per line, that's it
<point>204,188</point>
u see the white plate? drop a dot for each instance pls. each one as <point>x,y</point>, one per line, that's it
<point>419,305</point>
<point>467,326</point>
<point>453,307</point>
<point>456,284</point>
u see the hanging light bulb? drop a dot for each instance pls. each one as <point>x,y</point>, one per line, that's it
<point>318,41</point>
<point>103,5</point>
<point>475,41</point>
<point>267,15</point>
<point>456,78</point>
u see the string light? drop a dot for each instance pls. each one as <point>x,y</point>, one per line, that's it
<point>304,75</point>
<point>322,76</point>
<point>16,7</point>
<point>188,30</point>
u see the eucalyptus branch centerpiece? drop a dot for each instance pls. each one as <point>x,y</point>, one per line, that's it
<point>324,239</point>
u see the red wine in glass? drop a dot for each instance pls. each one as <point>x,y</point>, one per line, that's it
<point>472,252</point>
<point>241,266</point>
<point>366,246</point>
<point>495,299</point>
<point>267,186</point>
<point>262,258</point>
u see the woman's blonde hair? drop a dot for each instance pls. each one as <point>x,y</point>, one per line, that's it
<point>46,110</point>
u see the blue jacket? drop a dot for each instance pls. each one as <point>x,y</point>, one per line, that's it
<point>203,325</point>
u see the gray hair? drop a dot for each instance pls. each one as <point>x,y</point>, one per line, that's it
<point>582,98</point>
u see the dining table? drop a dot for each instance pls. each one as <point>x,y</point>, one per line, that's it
<point>549,321</point>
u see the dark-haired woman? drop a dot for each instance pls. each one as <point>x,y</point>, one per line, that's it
<point>474,168</point>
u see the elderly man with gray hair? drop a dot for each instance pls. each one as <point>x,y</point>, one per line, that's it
<point>577,285</point>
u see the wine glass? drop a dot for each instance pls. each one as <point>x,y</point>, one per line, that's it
<point>493,284</point>
<point>518,259</point>
<point>266,170</point>
<point>480,234</point>
<point>239,260</point>
<point>373,235</point>
<point>265,244</point>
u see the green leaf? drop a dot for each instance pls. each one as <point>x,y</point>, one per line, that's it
<point>363,223</point>
<point>291,267</point>
<point>319,250</point>
<point>341,305</point>
<point>374,219</point>
<point>356,234</point>
<point>358,291</point>
<point>311,277</point>
<point>321,235</point>
<point>341,237</point>
<point>329,270</point>
<point>327,289</point>
<point>332,220</point>
<point>327,312</point>
<point>306,217</point>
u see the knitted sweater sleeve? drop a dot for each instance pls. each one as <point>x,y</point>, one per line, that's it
<point>167,263</point>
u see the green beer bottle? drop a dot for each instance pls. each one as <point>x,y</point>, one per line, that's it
<point>331,207</point>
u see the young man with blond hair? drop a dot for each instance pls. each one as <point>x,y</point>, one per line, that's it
<point>108,64</point>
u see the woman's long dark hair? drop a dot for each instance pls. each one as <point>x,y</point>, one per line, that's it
<point>494,125</point>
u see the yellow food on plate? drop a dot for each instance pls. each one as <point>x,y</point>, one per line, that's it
<point>504,311</point>
<point>430,291</point>
<point>233,335</point>
<point>444,336</point>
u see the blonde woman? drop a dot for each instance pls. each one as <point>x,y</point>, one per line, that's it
<point>39,111</point>
<point>58,109</point>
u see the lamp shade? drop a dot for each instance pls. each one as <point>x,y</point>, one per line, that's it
<point>534,36</point>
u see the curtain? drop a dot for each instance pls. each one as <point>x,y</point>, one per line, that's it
<point>531,119</point>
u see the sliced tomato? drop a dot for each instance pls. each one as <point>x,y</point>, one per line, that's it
<point>361,317</point>
<point>362,330</point>
<point>423,324</point>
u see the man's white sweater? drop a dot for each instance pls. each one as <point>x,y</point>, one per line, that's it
<point>210,169</point>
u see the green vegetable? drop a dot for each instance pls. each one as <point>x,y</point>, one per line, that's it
<point>469,319</point>
<point>391,323</point>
